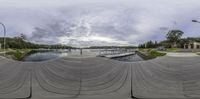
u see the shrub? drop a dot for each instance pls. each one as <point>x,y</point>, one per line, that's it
<point>154,54</point>
<point>15,54</point>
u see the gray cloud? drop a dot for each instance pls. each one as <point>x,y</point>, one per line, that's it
<point>99,22</point>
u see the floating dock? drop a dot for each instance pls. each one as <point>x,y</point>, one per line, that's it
<point>118,55</point>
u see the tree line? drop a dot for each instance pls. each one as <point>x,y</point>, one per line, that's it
<point>21,43</point>
<point>111,47</point>
<point>173,40</point>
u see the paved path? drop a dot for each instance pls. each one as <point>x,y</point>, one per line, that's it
<point>100,78</point>
<point>181,54</point>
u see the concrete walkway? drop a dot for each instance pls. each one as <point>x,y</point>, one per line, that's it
<point>100,78</point>
<point>2,52</point>
<point>181,54</point>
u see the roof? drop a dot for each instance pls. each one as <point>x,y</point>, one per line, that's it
<point>192,42</point>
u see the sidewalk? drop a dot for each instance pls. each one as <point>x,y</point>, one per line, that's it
<point>181,54</point>
<point>2,52</point>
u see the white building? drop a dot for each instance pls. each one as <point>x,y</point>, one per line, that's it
<point>192,45</point>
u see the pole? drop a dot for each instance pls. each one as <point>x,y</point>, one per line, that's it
<point>81,51</point>
<point>4,30</point>
<point>195,21</point>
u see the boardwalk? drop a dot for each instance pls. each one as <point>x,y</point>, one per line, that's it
<point>100,78</point>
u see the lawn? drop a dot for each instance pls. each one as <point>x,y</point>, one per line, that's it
<point>150,53</point>
<point>172,49</point>
<point>16,54</point>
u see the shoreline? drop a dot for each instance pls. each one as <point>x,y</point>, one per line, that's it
<point>16,54</point>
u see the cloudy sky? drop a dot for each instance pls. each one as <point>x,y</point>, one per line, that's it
<point>98,22</point>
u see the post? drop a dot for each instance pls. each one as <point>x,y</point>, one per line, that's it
<point>184,46</point>
<point>81,51</point>
<point>195,45</point>
<point>4,30</point>
<point>189,46</point>
<point>69,49</point>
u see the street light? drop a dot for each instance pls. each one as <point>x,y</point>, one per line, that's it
<point>195,21</point>
<point>4,30</point>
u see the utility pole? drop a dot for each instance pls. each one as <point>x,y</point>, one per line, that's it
<point>4,30</point>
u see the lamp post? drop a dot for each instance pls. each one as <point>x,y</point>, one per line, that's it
<point>195,21</point>
<point>4,30</point>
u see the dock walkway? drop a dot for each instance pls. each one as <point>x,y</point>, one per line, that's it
<point>100,78</point>
<point>118,55</point>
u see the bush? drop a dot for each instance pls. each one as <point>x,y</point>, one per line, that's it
<point>147,54</point>
<point>17,55</point>
<point>154,54</point>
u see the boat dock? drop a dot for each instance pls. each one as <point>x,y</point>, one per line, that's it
<point>118,55</point>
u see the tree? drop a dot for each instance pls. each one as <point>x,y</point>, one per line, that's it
<point>165,43</point>
<point>23,36</point>
<point>149,44</point>
<point>174,36</point>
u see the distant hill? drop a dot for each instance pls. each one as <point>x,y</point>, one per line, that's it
<point>97,47</point>
<point>19,43</point>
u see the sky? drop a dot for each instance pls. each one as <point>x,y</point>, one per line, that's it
<point>98,22</point>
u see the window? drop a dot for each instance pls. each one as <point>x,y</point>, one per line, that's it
<point>192,46</point>
<point>186,46</point>
<point>198,46</point>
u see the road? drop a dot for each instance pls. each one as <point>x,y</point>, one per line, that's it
<point>100,78</point>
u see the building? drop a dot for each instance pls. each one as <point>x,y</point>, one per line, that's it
<point>192,45</point>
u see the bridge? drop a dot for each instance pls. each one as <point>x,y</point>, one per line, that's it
<point>100,78</point>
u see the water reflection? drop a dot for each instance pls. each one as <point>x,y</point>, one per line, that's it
<point>42,56</point>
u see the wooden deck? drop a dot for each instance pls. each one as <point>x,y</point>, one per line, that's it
<point>100,78</point>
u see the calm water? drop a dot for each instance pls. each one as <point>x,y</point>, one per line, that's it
<point>43,56</point>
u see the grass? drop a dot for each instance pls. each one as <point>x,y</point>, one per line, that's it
<point>154,54</point>
<point>162,51</point>
<point>17,54</point>
<point>150,53</point>
<point>172,49</point>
